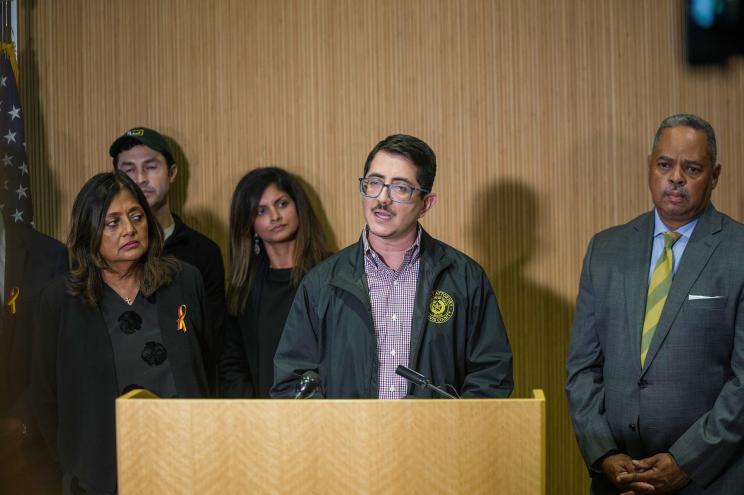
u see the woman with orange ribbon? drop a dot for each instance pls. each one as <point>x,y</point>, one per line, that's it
<point>275,238</point>
<point>124,318</point>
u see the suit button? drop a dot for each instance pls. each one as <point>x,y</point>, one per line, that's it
<point>632,427</point>
<point>642,383</point>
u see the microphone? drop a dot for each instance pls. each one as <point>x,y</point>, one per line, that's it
<point>412,376</point>
<point>307,385</point>
<point>420,380</point>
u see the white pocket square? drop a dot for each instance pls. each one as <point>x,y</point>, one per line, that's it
<point>693,297</point>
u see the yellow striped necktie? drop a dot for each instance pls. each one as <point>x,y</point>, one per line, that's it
<point>658,288</point>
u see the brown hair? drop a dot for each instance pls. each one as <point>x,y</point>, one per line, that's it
<point>84,242</point>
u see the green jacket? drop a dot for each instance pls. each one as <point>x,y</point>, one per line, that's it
<point>457,333</point>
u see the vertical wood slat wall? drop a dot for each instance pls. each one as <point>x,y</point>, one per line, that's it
<point>541,114</point>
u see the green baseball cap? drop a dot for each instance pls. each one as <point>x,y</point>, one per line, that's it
<point>143,135</point>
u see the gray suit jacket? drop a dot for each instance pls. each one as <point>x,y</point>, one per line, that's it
<point>689,397</point>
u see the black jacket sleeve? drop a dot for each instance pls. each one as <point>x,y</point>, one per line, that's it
<point>298,349</point>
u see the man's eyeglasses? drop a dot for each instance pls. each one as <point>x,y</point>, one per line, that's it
<point>372,187</point>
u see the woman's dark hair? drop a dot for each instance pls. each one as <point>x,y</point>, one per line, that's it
<point>311,244</point>
<point>84,242</point>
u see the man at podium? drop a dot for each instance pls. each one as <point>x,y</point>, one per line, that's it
<point>396,297</point>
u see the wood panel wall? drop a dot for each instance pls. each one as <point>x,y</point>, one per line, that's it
<point>541,114</point>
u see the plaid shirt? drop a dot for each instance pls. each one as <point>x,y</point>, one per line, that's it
<point>392,294</point>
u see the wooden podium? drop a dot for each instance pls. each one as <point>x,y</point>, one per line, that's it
<point>170,446</point>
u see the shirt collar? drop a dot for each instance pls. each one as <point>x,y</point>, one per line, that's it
<point>685,230</point>
<point>411,253</point>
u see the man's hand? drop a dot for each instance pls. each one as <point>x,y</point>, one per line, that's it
<point>660,471</point>
<point>616,466</point>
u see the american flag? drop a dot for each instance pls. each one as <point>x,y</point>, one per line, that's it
<point>15,181</point>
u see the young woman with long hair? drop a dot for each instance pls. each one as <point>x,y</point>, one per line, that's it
<point>275,238</point>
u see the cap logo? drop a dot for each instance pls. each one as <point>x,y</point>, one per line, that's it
<point>136,132</point>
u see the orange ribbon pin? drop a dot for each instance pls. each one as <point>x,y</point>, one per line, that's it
<point>181,316</point>
<point>12,297</point>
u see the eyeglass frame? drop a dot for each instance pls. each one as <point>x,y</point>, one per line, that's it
<point>410,198</point>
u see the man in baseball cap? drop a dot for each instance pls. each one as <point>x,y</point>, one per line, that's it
<point>145,156</point>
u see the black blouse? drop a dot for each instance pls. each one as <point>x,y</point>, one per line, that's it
<point>277,294</point>
<point>140,357</point>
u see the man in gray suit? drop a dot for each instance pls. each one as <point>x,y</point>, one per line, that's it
<point>655,371</point>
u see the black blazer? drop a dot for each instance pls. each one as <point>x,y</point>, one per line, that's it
<point>195,248</point>
<point>237,367</point>
<point>74,382</point>
<point>31,261</point>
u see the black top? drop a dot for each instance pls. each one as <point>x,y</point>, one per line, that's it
<point>246,366</point>
<point>195,248</point>
<point>276,298</point>
<point>140,357</point>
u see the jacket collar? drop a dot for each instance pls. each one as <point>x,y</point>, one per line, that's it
<point>179,231</point>
<point>637,255</point>
<point>350,274</point>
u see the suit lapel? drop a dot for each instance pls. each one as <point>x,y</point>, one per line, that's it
<point>248,323</point>
<point>353,279</point>
<point>637,255</point>
<point>15,260</point>
<point>696,255</point>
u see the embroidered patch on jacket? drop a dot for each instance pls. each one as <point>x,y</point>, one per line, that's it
<point>441,307</point>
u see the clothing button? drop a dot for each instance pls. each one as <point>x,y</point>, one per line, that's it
<point>392,388</point>
<point>394,317</point>
<point>395,283</point>
<point>392,353</point>
<point>632,427</point>
<point>642,383</point>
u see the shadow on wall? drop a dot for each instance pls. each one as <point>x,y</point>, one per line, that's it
<point>202,220</point>
<point>314,199</point>
<point>508,219</point>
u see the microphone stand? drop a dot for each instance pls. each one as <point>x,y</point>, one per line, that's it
<point>438,390</point>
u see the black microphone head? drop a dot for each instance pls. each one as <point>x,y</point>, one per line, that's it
<point>309,377</point>
<point>307,385</point>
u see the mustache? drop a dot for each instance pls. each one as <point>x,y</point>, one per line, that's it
<point>384,208</point>
<point>677,190</point>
